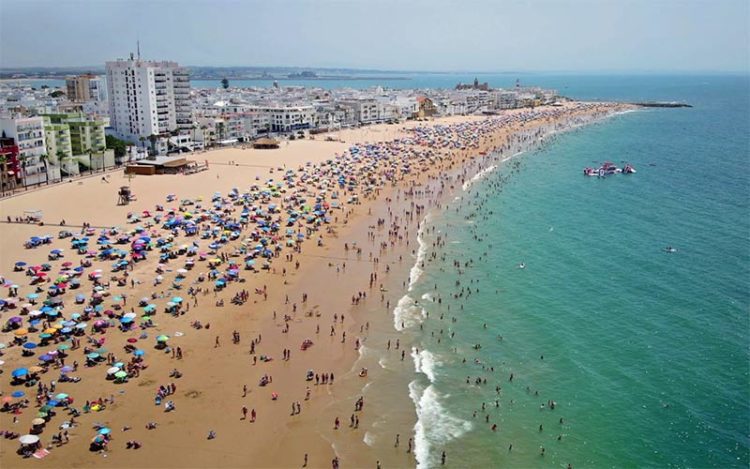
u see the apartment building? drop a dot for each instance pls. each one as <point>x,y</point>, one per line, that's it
<point>148,98</point>
<point>84,88</point>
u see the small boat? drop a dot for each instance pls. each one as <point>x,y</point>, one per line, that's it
<point>607,168</point>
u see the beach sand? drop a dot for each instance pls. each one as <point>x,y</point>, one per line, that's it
<point>209,395</point>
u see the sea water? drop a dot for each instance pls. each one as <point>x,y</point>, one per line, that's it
<point>644,352</point>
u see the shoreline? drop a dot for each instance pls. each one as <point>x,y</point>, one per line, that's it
<point>275,447</point>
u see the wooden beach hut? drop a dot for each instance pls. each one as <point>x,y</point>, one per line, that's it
<point>266,143</point>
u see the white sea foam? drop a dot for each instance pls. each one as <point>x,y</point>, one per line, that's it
<point>369,439</point>
<point>428,297</point>
<point>435,425</point>
<point>479,176</point>
<point>425,363</point>
<point>407,313</point>
<point>416,271</point>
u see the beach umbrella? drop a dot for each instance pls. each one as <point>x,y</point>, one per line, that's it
<point>32,296</point>
<point>37,421</point>
<point>53,403</point>
<point>113,370</point>
<point>18,372</point>
<point>20,332</point>
<point>29,345</point>
<point>18,394</point>
<point>46,358</point>
<point>92,356</point>
<point>125,320</point>
<point>105,431</point>
<point>139,353</point>
<point>28,439</point>
<point>61,397</point>
<point>121,374</point>
<point>63,347</point>
<point>162,338</point>
<point>66,369</point>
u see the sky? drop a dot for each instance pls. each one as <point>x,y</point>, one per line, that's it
<point>409,35</point>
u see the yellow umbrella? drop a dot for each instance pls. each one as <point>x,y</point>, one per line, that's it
<point>51,330</point>
<point>57,326</point>
<point>21,332</point>
<point>35,369</point>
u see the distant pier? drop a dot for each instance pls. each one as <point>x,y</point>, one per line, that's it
<point>661,104</point>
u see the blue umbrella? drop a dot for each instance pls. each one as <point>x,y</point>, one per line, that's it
<point>93,355</point>
<point>53,403</point>
<point>19,372</point>
<point>104,431</point>
<point>18,394</point>
<point>29,345</point>
<point>126,320</point>
<point>46,358</point>
<point>139,353</point>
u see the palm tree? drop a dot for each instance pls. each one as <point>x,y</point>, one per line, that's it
<point>44,159</point>
<point>153,138</point>
<point>60,156</point>
<point>91,165</point>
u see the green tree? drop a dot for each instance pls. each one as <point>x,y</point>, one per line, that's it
<point>57,94</point>
<point>119,146</point>
<point>224,83</point>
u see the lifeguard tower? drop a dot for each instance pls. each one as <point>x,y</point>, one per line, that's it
<point>125,196</point>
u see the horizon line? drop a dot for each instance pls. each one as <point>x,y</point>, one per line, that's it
<point>5,69</point>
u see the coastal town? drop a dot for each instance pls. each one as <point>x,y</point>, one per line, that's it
<point>141,110</point>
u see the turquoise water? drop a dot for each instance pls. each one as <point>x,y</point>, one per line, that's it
<point>644,352</point>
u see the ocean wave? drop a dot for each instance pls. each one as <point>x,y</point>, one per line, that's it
<point>435,425</point>
<point>407,313</point>
<point>428,297</point>
<point>479,176</point>
<point>425,363</point>
<point>416,271</point>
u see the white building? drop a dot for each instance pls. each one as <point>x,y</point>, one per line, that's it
<point>284,118</point>
<point>28,133</point>
<point>148,98</point>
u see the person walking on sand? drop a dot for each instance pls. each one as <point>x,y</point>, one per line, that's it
<point>252,415</point>
<point>217,344</point>
<point>244,413</point>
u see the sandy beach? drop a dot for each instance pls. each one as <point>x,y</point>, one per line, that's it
<point>333,278</point>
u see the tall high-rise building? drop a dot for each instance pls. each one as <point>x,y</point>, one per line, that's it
<point>84,88</point>
<point>148,98</point>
